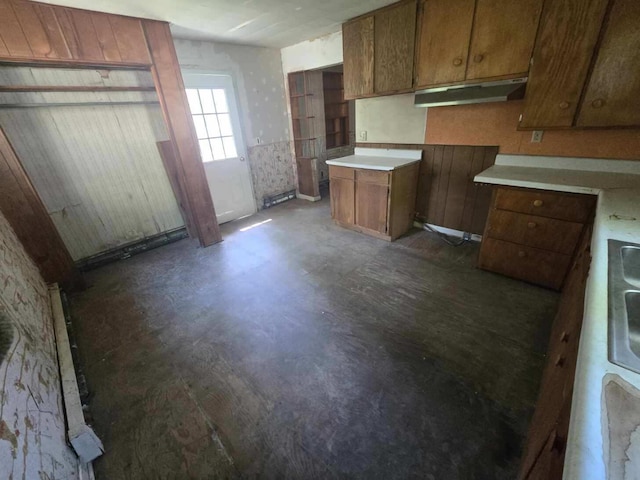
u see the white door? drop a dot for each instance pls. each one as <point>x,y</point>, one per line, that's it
<point>215,115</point>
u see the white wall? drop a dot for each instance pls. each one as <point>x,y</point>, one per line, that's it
<point>317,53</point>
<point>391,119</point>
<point>257,75</point>
<point>32,424</point>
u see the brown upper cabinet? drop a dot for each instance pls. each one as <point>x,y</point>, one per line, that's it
<point>586,67</point>
<point>378,51</point>
<point>473,40</point>
<point>612,95</point>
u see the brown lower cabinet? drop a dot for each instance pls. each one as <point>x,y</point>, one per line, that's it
<point>375,202</point>
<point>532,234</point>
<point>544,451</point>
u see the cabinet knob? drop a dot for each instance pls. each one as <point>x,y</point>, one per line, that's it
<point>559,361</point>
<point>564,337</point>
<point>457,61</point>
<point>563,105</point>
<point>532,224</point>
<point>538,203</point>
<point>478,58</point>
<point>522,254</point>
<point>597,103</point>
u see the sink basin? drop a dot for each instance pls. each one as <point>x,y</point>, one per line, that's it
<point>624,304</point>
<point>631,264</point>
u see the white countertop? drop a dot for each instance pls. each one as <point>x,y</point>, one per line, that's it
<point>378,159</point>
<point>617,185</point>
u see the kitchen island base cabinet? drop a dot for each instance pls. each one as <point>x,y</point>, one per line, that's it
<point>375,202</point>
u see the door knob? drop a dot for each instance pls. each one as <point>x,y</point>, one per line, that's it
<point>242,159</point>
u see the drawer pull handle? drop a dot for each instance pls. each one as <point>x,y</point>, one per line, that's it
<point>457,61</point>
<point>538,203</point>
<point>532,224</point>
<point>559,361</point>
<point>522,254</point>
<point>563,105</point>
<point>478,58</point>
<point>564,337</point>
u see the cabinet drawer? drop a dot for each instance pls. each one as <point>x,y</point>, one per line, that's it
<point>341,172</point>
<point>563,206</point>
<point>525,263</point>
<point>372,176</point>
<point>534,231</point>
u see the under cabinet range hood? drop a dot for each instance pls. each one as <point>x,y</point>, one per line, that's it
<point>486,92</point>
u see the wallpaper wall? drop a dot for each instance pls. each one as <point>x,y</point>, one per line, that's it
<point>32,425</point>
<point>259,84</point>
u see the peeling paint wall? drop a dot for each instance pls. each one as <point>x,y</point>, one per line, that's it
<point>32,425</point>
<point>257,75</point>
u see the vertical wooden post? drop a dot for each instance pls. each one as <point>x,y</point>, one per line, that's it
<point>175,108</point>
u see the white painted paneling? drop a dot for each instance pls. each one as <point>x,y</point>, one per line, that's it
<point>96,168</point>
<point>320,52</point>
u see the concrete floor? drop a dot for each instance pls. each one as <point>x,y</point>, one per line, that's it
<point>297,349</point>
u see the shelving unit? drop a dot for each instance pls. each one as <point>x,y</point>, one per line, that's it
<point>336,110</point>
<point>304,135</point>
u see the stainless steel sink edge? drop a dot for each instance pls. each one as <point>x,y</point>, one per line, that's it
<point>620,350</point>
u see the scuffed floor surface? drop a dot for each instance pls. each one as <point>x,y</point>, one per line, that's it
<point>297,349</point>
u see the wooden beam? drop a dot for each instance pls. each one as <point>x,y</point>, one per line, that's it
<point>175,108</point>
<point>27,215</point>
<point>69,88</point>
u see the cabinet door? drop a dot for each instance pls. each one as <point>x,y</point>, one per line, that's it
<point>357,50</point>
<point>504,32</point>
<point>395,30</point>
<point>342,200</point>
<point>443,41</point>
<point>612,96</point>
<point>564,47</point>
<point>372,201</point>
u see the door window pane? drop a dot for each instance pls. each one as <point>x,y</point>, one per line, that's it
<point>206,100</point>
<point>194,100</point>
<point>205,150</point>
<point>212,122</point>
<point>221,101</point>
<point>229,147</point>
<point>201,131</point>
<point>218,149</point>
<point>225,124</point>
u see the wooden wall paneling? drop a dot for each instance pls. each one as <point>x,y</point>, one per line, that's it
<point>443,184</point>
<point>169,160</point>
<point>456,197</point>
<point>394,43</point>
<point>424,181</point>
<point>561,58</point>
<point>443,61</point>
<point>11,32</point>
<point>436,177</point>
<point>28,217</point>
<point>78,29</point>
<point>471,191</point>
<point>612,98</point>
<point>358,57</point>
<point>129,38</point>
<point>504,32</point>
<point>483,193</point>
<point>173,99</point>
<point>107,38</point>
<point>33,29</point>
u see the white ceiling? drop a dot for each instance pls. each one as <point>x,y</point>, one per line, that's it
<point>269,23</point>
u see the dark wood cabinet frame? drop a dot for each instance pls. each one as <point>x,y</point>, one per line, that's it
<point>36,34</point>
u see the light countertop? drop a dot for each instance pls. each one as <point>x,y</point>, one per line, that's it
<point>617,185</point>
<point>378,159</point>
